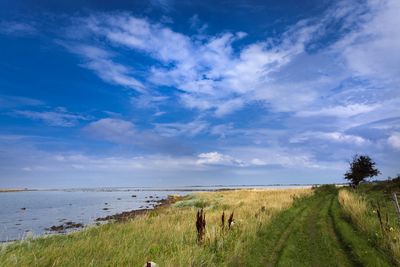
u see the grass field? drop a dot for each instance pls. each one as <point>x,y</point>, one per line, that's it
<point>364,206</point>
<point>166,236</point>
<point>315,232</point>
<point>294,227</point>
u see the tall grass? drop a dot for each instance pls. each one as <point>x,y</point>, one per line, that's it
<point>166,236</point>
<point>373,221</point>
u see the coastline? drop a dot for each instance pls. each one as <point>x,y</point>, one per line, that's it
<point>8,190</point>
<point>196,188</point>
<point>72,227</point>
<point>127,215</point>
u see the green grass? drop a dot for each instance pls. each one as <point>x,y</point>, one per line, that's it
<point>166,236</point>
<point>314,232</point>
<point>302,227</point>
<point>360,208</point>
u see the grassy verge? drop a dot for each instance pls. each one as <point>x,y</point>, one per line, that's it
<point>166,236</point>
<point>314,232</point>
<point>372,210</point>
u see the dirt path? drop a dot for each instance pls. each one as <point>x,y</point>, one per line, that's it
<point>314,233</point>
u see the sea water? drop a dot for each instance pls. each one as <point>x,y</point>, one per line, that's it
<point>30,213</point>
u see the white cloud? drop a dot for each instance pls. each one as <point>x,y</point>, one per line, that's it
<point>394,140</point>
<point>123,132</point>
<point>17,28</point>
<point>113,130</point>
<point>146,100</point>
<point>249,157</point>
<point>209,72</point>
<point>258,162</point>
<point>372,49</point>
<point>286,158</point>
<point>8,101</point>
<point>216,158</point>
<point>330,136</point>
<point>165,5</point>
<point>59,117</point>
<point>213,75</point>
<point>228,107</point>
<point>222,130</point>
<point>187,129</point>
<point>100,61</point>
<point>339,111</point>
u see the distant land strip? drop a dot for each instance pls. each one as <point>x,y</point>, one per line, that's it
<point>4,190</point>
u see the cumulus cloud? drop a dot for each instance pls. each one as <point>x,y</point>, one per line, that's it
<point>211,75</point>
<point>371,50</point>
<point>258,162</point>
<point>249,157</point>
<point>394,140</point>
<point>216,158</point>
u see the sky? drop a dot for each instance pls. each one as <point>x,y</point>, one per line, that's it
<point>168,92</point>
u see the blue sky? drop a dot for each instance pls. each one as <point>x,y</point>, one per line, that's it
<point>164,92</point>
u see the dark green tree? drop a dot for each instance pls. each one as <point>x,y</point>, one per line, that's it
<point>361,167</point>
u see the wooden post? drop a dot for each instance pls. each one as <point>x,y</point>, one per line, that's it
<point>396,202</point>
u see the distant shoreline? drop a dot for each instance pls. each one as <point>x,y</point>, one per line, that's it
<point>194,188</point>
<point>7,190</point>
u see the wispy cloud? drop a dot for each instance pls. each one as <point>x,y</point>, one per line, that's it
<point>330,136</point>
<point>123,132</point>
<point>59,117</point>
<point>187,129</point>
<point>166,5</point>
<point>17,28</point>
<point>339,111</point>
<point>212,75</point>
<point>113,130</point>
<point>9,101</point>
<point>100,61</point>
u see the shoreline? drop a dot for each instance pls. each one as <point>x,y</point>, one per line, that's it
<point>9,190</point>
<point>196,188</point>
<point>69,227</point>
<point>127,215</point>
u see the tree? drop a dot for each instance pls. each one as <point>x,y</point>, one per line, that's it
<point>361,167</point>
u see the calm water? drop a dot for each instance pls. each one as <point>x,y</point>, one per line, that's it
<point>29,213</point>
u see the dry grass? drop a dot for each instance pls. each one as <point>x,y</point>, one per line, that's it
<point>365,217</point>
<point>166,236</point>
